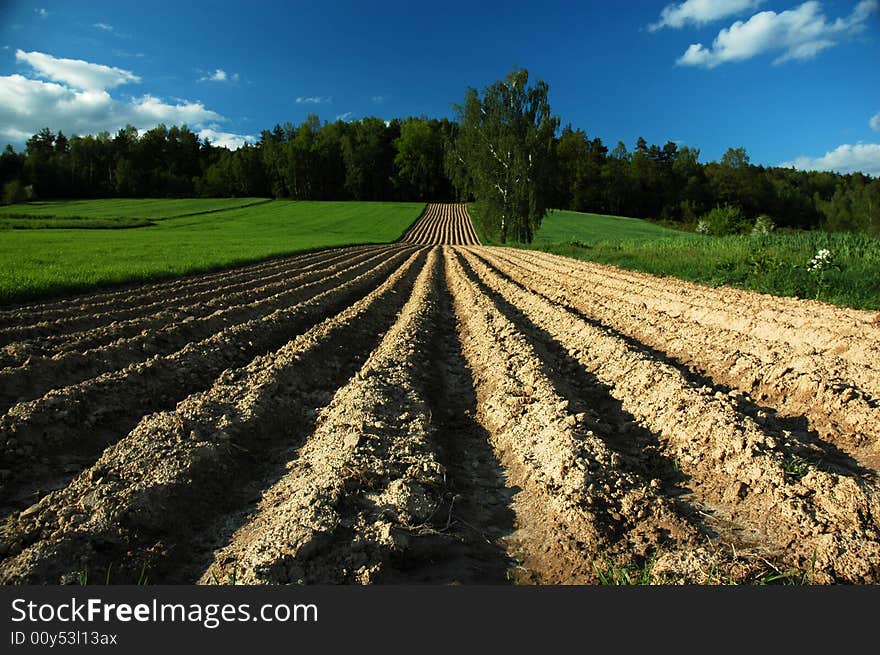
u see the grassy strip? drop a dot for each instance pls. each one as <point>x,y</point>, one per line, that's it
<point>154,209</point>
<point>78,223</point>
<point>43,263</point>
<point>776,264</point>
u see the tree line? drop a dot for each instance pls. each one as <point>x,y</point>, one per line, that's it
<point>504,150</point>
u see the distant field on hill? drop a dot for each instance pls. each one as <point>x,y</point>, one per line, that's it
<point>188,236</point>
<point>575,227</point>
<point>113,212</point>
<point>777,264</point>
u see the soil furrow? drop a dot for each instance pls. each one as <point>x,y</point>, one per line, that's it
<point>40,374</point>
<point>436,412</point>
<point>815,519</point>
<point>150,501</point>
<point>77,320</point>
<point>794,312</point>
<point>828,392</point>
<point>136,295</point>
<point>441,225</point>
<point>577,508</point>
<point>366,481</point>
<point>185,308</point>
<point>804,325</point>
<point>68,427</point>
<point>462,542</point>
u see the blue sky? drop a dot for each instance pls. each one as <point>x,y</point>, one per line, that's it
<point>793,82</point>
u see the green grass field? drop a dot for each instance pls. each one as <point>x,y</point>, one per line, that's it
<point>38,263</point>
<point>775,264</point>
<point>573,227</point>
<point>112,213</point>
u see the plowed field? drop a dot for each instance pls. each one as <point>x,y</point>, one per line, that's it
<point>436,411</point>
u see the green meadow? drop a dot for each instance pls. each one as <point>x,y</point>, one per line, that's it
<point>177,237</point>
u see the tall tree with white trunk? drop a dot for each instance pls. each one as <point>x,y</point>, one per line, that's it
<point>502,154</point>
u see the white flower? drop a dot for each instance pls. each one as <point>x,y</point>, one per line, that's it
<point>821,261</point>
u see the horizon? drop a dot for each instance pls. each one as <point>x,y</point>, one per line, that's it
<point>707,75</point>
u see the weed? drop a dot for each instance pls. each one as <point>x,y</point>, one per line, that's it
<point>614,574</point>
<point>796,466</point>
<point>231,578</point>
<point>142,578</point>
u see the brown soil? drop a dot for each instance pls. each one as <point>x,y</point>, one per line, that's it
<point>443,225</point>
<point>440,414</point>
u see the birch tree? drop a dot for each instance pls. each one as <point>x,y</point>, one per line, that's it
<point>503,152</point>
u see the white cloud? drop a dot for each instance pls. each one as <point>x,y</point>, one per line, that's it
<point>76,72</point>
<point>103,26</point>
<point>380,99</point>
<point>874,122</point>
<point>150,110</point>
<point>314,100</point>
<point>700,12</point>
<point>862,157</point>
<point>42,13</point>
<point>28,105</point>
<point>800,33</point>
<point>220,75</point>
<point>226,139</point>
<point>347,116</point>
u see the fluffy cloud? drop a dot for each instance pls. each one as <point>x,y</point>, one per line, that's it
<point>76,72</point>
<point>875,122</point>
<point>346,117</point>
<point>862,157</point>
<point>800,33</point>
<point>226,139</point>
<point>220,75</point>
<point>314,100</point>
<point>27,105</point>
<point>700,12</point>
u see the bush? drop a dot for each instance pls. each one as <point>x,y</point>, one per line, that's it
<point>726,220</point>
<point>14,192</point>
<point>763,225</point>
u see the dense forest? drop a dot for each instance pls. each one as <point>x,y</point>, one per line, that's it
<point>409,159</point>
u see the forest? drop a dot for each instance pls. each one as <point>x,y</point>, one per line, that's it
<point>411,159</point>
